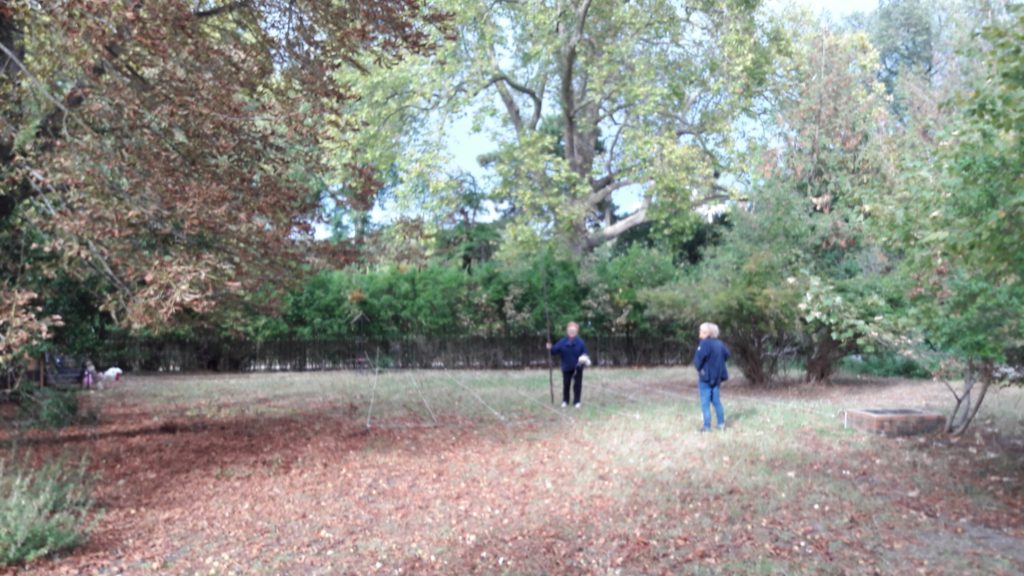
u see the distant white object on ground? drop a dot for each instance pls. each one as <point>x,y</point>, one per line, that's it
<point>583,361</point>
<point>112,374</point>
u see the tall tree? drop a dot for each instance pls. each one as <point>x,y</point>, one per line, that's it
<point>171,149</point>
<point>833,122</point>
<point>589,98</point>
<point>796,271</point>
<point>905,34</point>
<point>956,209</point>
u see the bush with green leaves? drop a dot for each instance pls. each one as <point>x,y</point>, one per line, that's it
<point>437,299</point>
<point>43,509</point>
<point>49,407</point>
<point>954,210</point>
<point>742,286</point>
<point>794,275</point>
<point>613,285</point>
<point>886,364</point>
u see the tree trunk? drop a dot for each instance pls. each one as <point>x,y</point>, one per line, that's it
<point>757,354</point>
<point>824,358</point>
<point>964,411</point>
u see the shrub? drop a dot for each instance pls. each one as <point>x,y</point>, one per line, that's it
<point>885,364</point>
<point>50,408</point>
<point>42,510</point>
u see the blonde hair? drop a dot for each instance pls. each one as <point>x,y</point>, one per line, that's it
<point>710,329</point>
<point>572,325</point>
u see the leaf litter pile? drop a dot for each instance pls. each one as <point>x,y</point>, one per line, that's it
<point>460,473</point>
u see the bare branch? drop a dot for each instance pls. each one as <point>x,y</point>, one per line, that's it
<point>510,105</point>
<point>581,17</point>
<point>98,262</point>
<point>224,9</point>
<point>604,192</point>
<point>42,87</point>
<point>952,391</point>
<point>611,112</point>
<point>622,226</point>
<point>501,77</point>
<point>535,119</point>
<point>603,180</point>
<point>500,81</point>
<point>689,130</point>
<point>517,87</point>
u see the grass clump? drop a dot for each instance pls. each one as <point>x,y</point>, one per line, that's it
<point>52,408</point>
<point>43,509</point>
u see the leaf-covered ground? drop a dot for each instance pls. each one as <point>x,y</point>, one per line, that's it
<point>459,473</point>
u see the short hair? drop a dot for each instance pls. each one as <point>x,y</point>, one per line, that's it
<point>710,329</point>
<point>571,324</point>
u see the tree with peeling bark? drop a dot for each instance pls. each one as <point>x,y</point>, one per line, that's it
<point>584,99</point>
<point>169,153</point>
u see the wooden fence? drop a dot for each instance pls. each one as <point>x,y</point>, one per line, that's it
<point>163,355</point>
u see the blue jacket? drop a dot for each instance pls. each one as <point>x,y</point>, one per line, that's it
<point>570,350</point>
<point>710,361</point>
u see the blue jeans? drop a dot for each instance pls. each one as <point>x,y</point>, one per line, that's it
<point>708,396</point>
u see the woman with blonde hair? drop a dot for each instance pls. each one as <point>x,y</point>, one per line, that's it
<point>709,361</point>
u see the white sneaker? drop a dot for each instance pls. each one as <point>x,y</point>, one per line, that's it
<point>577,405</point>
<point>564,404</point>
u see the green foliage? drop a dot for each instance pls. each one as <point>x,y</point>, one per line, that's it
<point>49,407</point>
<point>904,33</point>
<point>509,295</point>
<point>613,287</point>
<point>435,299</point>
<point>860,191</point>
<point>956,212</point>
<point>167,209</point>
<point>886,364</point>
<point>582,100</point>
<point>42,510</point>
<point>952,210</point>
<point>804,235</point>
<point>919,46</point>
<point>86,327</point>
<point>742,285</point>
<point>785,277</point>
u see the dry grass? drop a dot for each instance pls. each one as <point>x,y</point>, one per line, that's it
<point>475,472</point>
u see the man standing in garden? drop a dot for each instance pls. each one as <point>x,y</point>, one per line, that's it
<point>574,357</point>
<point>711,372</point>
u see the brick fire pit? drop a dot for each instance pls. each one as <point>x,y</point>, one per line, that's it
<point>894,421</point>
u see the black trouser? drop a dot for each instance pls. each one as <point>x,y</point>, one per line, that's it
<point>577,388</point>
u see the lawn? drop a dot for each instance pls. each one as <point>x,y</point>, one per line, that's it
<point>437,472</point>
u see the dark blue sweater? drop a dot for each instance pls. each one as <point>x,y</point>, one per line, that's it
<point>570,350</point>
<point>710,361</point>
